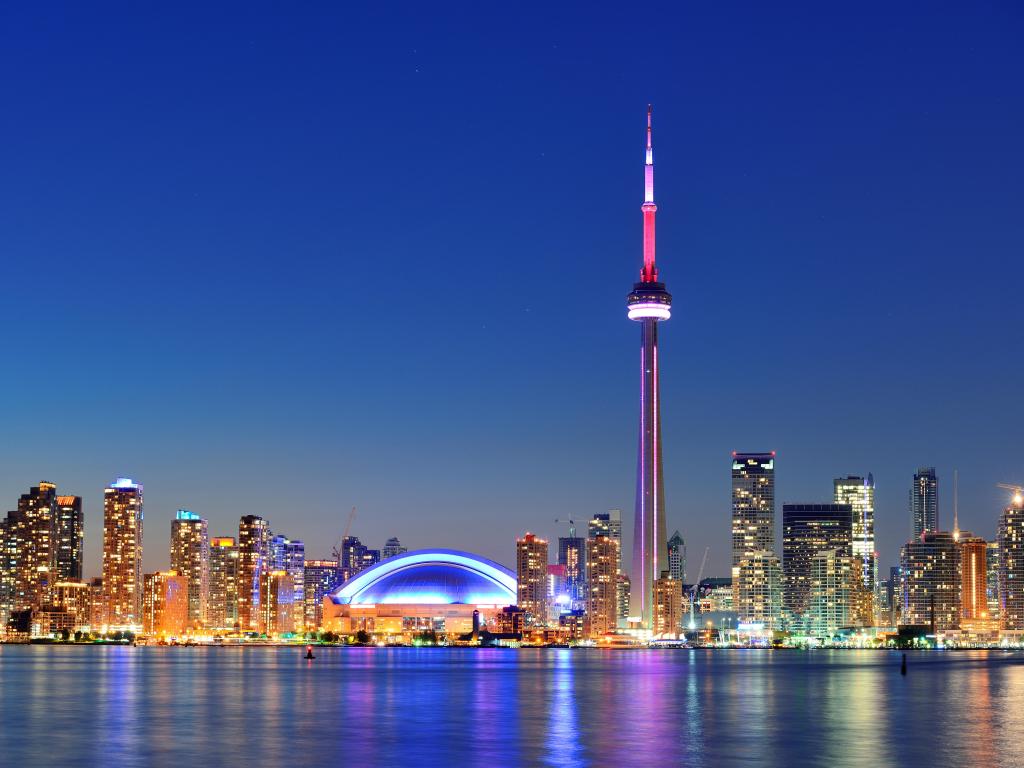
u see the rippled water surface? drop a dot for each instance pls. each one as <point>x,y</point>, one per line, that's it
<point>189,707</point>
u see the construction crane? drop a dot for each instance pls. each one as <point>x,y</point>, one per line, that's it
<point>339,547</point>
<point>572,527</point>
<point>693,589</point>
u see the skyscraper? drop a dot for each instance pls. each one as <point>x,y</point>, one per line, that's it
<point>1011,566</point>
<point>222,603</point>
<point>677,557</point>
<point>190,557</point>
<point>572,553</point>
<point>253,557</point>
<point>807,531</point>
<point>69,533</point>
<point>122,552</point>
<point>602,572</point>
<point>606,524</point>
<point>973,577</point>
<point>532,576</point>
<point>356,556</point>
<point>321,576</point>
<point>393,547</point>
<point>930,570</point>
<point>859,493</point>
<point>753,509</point>
<point>289,555</point>
<point>32,535</point>
<point>924,502</point>
<point>649,303</point>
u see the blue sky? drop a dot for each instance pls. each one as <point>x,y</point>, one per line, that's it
<point>287,261</point>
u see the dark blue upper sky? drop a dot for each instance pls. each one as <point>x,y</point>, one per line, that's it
<point>285,260</point>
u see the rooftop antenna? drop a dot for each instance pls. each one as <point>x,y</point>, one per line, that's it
<point>956,505</point>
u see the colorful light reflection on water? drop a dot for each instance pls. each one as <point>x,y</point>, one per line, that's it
<point>389,706</point>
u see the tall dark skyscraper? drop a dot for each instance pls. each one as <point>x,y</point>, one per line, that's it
<point>648,304</point>
<point>753,506</point>
<point>807,531</point>
<point>924,502</point>
<point>572,553</point>
<point>69,531</point>
<point>356,556</point>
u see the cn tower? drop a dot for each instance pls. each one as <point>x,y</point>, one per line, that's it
<point>648,304</point>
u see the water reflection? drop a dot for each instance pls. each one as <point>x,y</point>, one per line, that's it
<point>366,707</point>
<point>564,747</point>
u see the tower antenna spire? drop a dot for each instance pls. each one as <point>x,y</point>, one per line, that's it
<point>956,505</point>
<point>650,270</point>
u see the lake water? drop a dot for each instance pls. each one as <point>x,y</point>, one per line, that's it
<point>191,707</point>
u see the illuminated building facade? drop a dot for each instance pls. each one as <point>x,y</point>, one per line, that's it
<point>622,596</point>
<point>97,603</point>
<point>832,573</point>
<point>677,557</point>
<point>924,502</point>
<point>973,577</point>
<point>992,578</point>
<point>289,555</point>
<point>606,524</point>
<point>75,598</point>
<point>1011,566</point>
<point>122,552</point>
<point>190,557</point>
<point>532,578</point>
<point>279,611</point>
<point>668,605</point>
<point>165,603</point>
<point>930,569</point>
<point>572,553</point>
<point>69,539</point>
<point>321,577</point>
<point>393,547</point>
<point>859,493</point>
<point>31,547</point>
<point>758,600</point>
<point>222,602</point>
<point>253,559</point>
<point>753,509</point>
<point>648,304</point>
<point>440,588</point>
<point>603,570</point>
<point>558,597</point>
<point>807,530</point>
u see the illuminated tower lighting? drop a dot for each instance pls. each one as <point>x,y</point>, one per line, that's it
<point>648,304</point>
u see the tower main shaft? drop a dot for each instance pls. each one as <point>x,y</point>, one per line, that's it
<point>649,303</point>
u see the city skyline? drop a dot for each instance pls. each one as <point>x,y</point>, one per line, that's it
<point>235,279</point>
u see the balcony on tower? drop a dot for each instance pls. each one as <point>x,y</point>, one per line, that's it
<point>649,300</point>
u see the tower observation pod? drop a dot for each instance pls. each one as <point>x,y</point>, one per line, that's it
<point>648,304</point>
